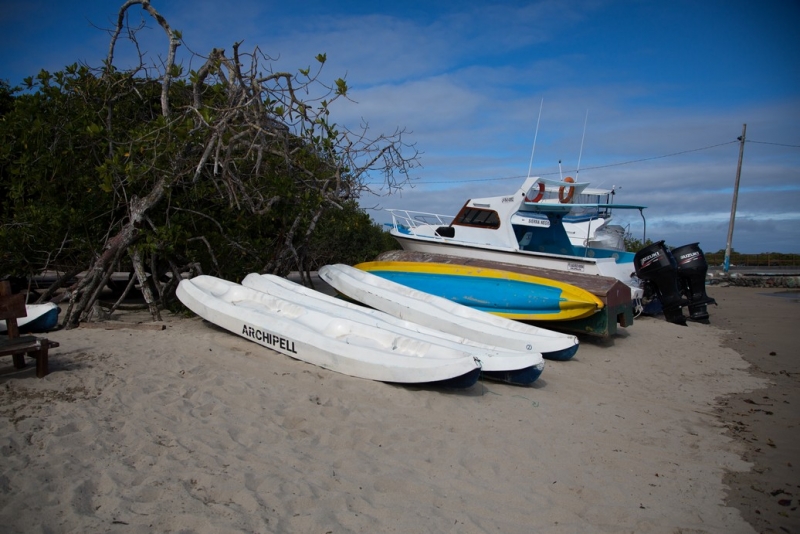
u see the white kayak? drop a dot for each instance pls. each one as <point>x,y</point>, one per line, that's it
<point>335,343</point>
<point>515,367</point>
<point>445,315</point>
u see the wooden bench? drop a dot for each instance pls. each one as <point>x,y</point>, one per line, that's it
<point>12,307</point>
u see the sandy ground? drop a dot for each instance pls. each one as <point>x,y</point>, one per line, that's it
<point>192,429</point>
<point>764,326</point>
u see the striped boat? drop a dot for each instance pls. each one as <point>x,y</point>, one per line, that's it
<point>504,293</point>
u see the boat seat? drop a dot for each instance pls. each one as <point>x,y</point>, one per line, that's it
<point>12,307</point>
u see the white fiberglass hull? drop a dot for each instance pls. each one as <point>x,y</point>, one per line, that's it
<point>492,358</point>
<point>331,342</point>
<point>445,315</point>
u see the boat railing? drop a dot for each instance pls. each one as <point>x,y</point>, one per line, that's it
<point>407,221</point>
<point>588,233</point>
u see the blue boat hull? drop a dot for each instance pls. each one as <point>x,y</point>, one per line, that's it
<point>561,355</point>
<point>485,294</point>
<point>40,318</point>
<point>460,382</point>
<point>43,323</point>
<point>521,377</point>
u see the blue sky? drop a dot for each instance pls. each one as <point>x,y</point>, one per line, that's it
<point>466,79</point>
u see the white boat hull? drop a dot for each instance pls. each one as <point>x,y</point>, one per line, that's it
<point>331,342</point>
<point>492,358</point>
<point>522,228</point>
<point>445,315</point>
<point>39,318</point>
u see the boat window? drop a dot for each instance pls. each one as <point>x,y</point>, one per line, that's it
<point>478,217</point>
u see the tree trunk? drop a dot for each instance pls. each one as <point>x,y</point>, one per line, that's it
<point>138,267</point>
<point>88,289</point>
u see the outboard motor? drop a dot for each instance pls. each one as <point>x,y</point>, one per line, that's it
<point>657,268</point>
<point>692,269</point>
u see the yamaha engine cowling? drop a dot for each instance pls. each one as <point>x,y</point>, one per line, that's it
<point>657,268</point>
<point>692,270</point>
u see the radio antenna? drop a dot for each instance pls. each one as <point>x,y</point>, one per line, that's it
<point>530,165</point>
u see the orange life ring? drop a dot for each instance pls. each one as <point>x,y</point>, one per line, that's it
<point>538,197</point>
<point>566,199</point>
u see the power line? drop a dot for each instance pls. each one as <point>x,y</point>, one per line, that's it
<point>586,168</point>
<point>767,143</point>
<point>517,177</point>
<point>664,156</point>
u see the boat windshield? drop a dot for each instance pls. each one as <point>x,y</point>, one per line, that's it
<point>477,217</point>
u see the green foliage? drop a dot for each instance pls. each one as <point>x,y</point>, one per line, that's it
<point>635,245</point>
<point>341,87</point>
<point>51,201</point>
<point>764,259</point>
<point>347,236</point>
<point>66,180</point>
<point>222,171</point>
<point>6,97</point>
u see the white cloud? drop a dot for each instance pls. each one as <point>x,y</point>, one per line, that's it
<point>467,82</point>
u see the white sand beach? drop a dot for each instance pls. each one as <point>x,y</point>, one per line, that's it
<point>194,429</point>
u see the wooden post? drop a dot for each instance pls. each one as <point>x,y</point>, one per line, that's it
<point>727,263</point>
<point>12,306</point>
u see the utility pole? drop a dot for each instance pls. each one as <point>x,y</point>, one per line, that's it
<point>728,247</point>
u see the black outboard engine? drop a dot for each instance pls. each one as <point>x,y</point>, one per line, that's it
<point>657,268</point>
<point>692,269</point>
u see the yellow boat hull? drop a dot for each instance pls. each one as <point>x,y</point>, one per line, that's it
<point>504,293</point>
